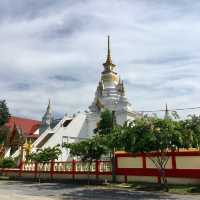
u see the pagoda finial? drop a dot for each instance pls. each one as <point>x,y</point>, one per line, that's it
<point>109,58</point>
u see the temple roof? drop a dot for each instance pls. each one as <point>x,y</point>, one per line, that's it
<point>28,126</point>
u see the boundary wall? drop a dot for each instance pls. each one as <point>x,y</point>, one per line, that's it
<point>182,168</point>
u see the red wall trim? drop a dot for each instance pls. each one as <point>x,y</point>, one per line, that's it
<point>187,173</point>
<point>176,153</point>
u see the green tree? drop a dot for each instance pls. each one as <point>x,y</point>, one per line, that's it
<point>4,113</point>
<point>88,150</point>
<point>108,130</point>
<point>4,131</point>
<point>45,155</point>
<point>115,141</point>
<point>4,134</point>
<point>191,131</point>
<point>106,123</point>
<point>151,134</point>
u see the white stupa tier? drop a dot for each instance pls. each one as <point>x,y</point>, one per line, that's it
<point>110,94</point>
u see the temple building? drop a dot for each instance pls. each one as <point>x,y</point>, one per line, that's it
<point>110,94</point>
<point>21,130</point>
<point>29,128</point>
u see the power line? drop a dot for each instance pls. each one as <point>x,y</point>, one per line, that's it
<point>163,110</point>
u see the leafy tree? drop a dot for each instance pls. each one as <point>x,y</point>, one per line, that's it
<point>151,134</point>
<point>88,150</point>
<point>114,140</point>
<point>191,131</point>
<point>45,155</point>
<point>108,130</point>
<point>4,133</point>
<point>106,123</point>
<point>4,113</point>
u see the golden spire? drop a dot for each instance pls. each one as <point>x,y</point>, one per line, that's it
<point>109,59</point>
<point>108,64</point>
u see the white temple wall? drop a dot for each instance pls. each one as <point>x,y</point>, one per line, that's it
<point>121,117</point>
<point>92,120</point>
<point>73,130</point>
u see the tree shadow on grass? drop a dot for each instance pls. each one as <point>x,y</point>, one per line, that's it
<point>147,187</point>
<point>195,189</point>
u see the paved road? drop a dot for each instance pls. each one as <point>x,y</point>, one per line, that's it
<point>18,190</point>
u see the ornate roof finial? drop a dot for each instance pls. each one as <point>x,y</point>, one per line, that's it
<point>108,64</point>
<point>47,118</point>
<point>49,105</point>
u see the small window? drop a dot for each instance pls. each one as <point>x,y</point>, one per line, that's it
<point>66,123</point>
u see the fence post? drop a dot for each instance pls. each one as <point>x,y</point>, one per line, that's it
<point>97,170</point>
<point>114,162</point>
<point>159,179</point>
<point>21,166</point>
<point>144,161</point>
<point>52,169</point>
<point>36,169</point>
<point>125,178</point>
<point>173,160</point>
<point>73,169</point>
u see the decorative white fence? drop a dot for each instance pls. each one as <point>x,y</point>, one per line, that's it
<point>68,167</point>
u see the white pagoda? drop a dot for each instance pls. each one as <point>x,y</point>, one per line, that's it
<point>110,94</point>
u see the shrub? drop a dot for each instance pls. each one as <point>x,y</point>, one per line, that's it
<point>7,163</point>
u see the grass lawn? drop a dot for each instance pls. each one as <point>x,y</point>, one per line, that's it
<point>4,178</point>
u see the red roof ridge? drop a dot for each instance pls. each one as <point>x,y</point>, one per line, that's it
<point>28,126</point>
<point>14,117</point>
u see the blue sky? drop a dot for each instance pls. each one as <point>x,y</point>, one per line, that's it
<point>55,49</point>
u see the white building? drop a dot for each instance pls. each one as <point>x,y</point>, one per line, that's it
<point>110,94</point>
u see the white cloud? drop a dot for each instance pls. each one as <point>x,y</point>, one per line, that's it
<point>155,45</point>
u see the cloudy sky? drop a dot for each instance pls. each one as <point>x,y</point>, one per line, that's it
<point>55,49</point>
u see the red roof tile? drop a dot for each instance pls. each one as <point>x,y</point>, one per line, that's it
<point>28,126</point>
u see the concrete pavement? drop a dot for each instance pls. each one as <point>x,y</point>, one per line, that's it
<point>19,190</point>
